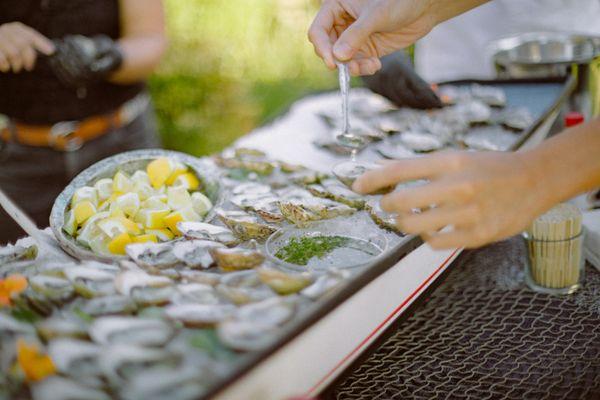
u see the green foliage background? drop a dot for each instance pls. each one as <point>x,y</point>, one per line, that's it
<point>231,66</point>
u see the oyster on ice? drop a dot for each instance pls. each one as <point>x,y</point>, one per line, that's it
<point>152,255</point>
<point>246,226</point>
<point>131,331</point>
<point>196,253</point>
<point>237,258</point>
<point>204,231</point>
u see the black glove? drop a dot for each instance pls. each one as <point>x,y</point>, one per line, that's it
<point>398,81</point>
<point>80,60</point>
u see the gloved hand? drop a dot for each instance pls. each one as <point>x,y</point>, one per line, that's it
<point>80,60</point>
<point>398,81</point>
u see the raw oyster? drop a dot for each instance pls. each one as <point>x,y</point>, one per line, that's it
<point>252,163</point>
<point>332,189</point>
<point>10,327</point>
<point>55,269</point>
<point>255,325</point>
<point>182,383</point>
<point>302,212</point>
<point>209,278</point>
<point>237,258</point>
<point>394,150</point>
<point>198,293</point>
<point>196,253</point>
<point>73,357</point>
<point>120,362</point>
<point>152,255</point>
<point>204,231</point>
<point>381,218</point>
<point>90,282</point>
<point>51,287</point>
<point>145,289</point>
<point>62,326</point>
<point>131,330</point>
<point>59,388</point>
<point>251,188</point>
<point>420,141</point>
<point>325,283</point>
<point>246,226</point>
<point>284,283</point>
<point>491,95</point>
<point>474,111</point>
<point>492,138</point>
<point>244,287</point>
<point>517,119</point>
<point>107,305</point>
<point>200,315</point>
<point>13,253</point>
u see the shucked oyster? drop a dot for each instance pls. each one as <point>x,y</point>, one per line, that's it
<point>145,289</point>
<point>131,330</point>
<point>255,325</point>
<point>200,315</point>
<point>237,258</point>
<point>284,283</point>
<point>185,382</point>
<point>75,358</point>
<point>106,305</point>
<point>152,255</point>
<point>62,326</point>
<point>332,189</point>
<point>60,388</point>
<point>244,287</point>
<point>198,293</point>
<point>12,253</point>
<point>91,282</point>
<point>301,212</point>
<point>51,287</point>
<point>381,218</point>
<point>196,253</point>
<point>246,226</point>
<point>204,231</point>
<point>249,162</point>
<point>325,283</point>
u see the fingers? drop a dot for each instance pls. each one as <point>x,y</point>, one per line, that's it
<point>4,64</point>
<point>18,45</point>
<point>452,239</point>
<point>28,57</point>
<point>364,66</point>
<point>398,171</point>
<point>435,219</point>
<point>40,42</point>
<point>353,38</point>
<point>434,193</point>
<point>319,35</point>
<point>11,53</point>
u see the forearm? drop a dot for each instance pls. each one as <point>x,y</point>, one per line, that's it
<point>567,164</point>
<point>141,55</point>
<point>446,9</point>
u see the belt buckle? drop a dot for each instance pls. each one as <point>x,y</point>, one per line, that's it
<point>65,130</point>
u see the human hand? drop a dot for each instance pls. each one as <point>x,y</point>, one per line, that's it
<point>18,46</point>
<point>479,197</point>
<point>362,31</point>
<point>80,60</point>
<point>398,81</point>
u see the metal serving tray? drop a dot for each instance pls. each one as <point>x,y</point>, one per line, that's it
<point>543,98</point>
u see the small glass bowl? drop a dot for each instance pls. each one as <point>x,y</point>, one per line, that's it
<point>555,266</point>
<point>375,242</point>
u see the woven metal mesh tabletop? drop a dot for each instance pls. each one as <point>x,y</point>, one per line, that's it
<point>484,335</point>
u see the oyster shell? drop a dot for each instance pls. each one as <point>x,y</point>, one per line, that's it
<point>284,283</point>
<point>75,358</point>
<point>332,189</point>
<point>200,315</point>
<point>302,212</point>
<point>491,95</point>
<point>204,231</point>
<point>492,138</point>
<point>251,188</point>
<point>13,253</point>
<point>198,293</point>
<point>244,287</point>
<point>246,226</point>
<point>145,289</point>
<point>381,218</point>
<point>208,278</point>
<point>60,388</point>
<point>237,258</point>
<point>325,284</point>
<point>152,255</point>
<point>196,253</point>
<point>517,119</point>
<point>257,164</point>
<point>90,282</point>
<point>474,111</point>
<point>62,326</point>
<point>182,383</point>
<point>107,305</point>
<point>420,141</point>
<point>52,287</point>
<point>131,331</point>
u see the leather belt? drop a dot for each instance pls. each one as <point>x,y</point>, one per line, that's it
<point>72,135</point>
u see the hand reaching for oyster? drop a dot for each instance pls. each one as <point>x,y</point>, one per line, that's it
<point>478,197</point>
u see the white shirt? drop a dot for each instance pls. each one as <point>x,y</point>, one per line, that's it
<point>459,47</point>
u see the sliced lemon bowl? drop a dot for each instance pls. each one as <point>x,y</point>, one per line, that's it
<point>133,197</point>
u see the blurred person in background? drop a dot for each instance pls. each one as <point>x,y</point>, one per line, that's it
<point>71,92</point>
<point>479,197</point>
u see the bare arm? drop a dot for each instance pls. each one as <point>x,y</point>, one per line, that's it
<point>143,39</point>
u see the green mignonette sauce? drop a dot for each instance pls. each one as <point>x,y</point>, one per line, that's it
<point>300,250</point>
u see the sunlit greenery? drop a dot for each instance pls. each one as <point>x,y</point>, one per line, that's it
<point>231,66</point>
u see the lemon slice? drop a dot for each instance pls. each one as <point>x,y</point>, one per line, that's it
<point>99,245</point>
<point>70,225</point>
<point>163,235</point>
<point>86,193</point>
<point>122,183</point>
<point>171,221</point>
<point>178,197</point>
<point>112,227</point>
<point>104,187</point>
<point>189,214</point>
<point>188,181</point>
<point>159,171</point>
<point>152,219</point>
<point>148,237</point>
<point>129,203</point>
<point>88,232</point>
<point>118,244</point>
<point>144,190</point>
<point>83,210</point>
<point>202,204</point>
<point>155,202</point>
<point>178,169</point>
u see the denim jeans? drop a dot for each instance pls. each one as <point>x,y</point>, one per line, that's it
<point>34,176</point>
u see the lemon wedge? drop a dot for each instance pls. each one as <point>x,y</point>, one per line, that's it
<point>162,234</point>
<point>188,181</point>
<point>83,210</point>
<point>122,183</point>
<point>140,176</point>
<point>202,204</point>
<point>129,203</point>
<point>178,169</point>
<point>153,219</point>
<point>118,244</point>
<point>70,225</point>
<point>178,197</point>
<point>189,214</point>
<point>104,187</point>
<point>148,237</point>
<point>171,221</point>
<point>86,193</point>
<point>159,171</point>
<point>155,202</point>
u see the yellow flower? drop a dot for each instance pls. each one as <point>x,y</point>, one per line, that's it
<point>12,284</point>
<point>35,365</point>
